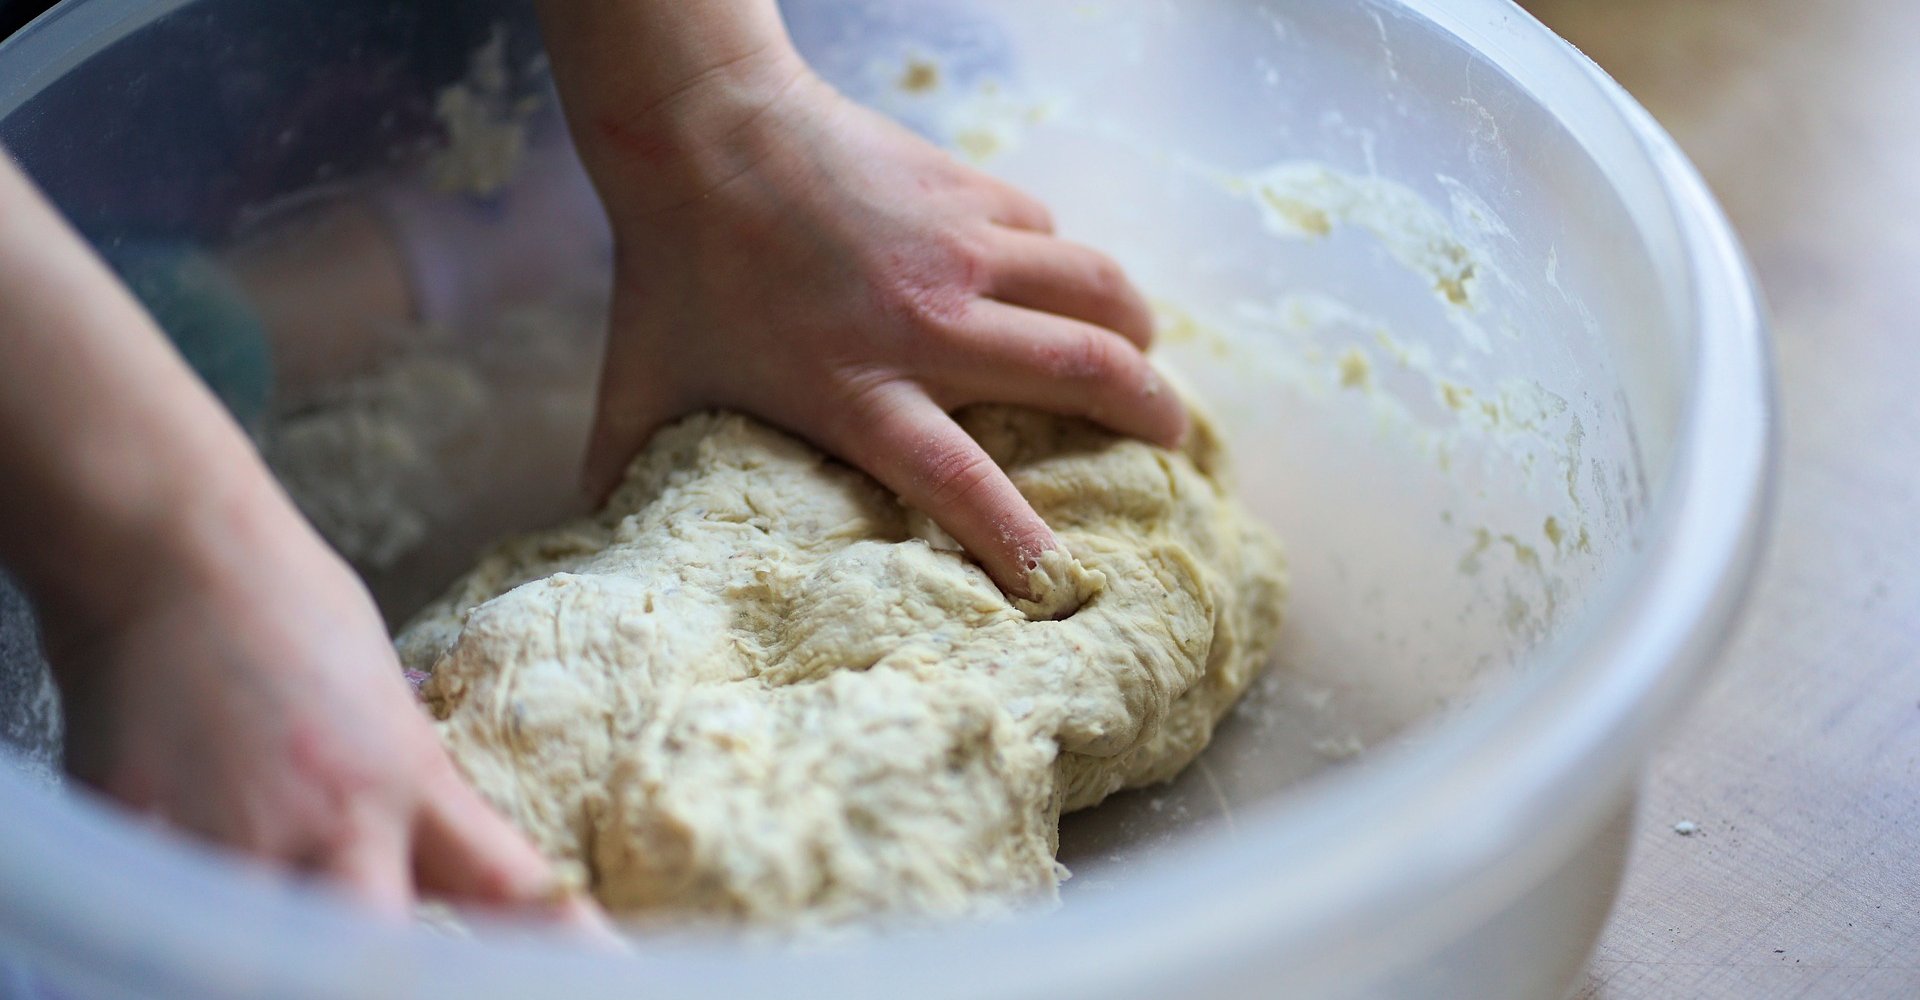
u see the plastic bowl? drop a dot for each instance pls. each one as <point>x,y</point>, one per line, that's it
<point>1488,354</point>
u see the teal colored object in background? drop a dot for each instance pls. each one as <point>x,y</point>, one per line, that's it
<point>203,309</point>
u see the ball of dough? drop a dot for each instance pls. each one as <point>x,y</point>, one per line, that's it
<point>757,688</point>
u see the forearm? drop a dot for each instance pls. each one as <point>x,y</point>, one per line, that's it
<point>654,89</point>
<point>111,450</point>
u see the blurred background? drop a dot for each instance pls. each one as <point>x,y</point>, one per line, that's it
<point>1797,779</point>
<point>1801,767</point>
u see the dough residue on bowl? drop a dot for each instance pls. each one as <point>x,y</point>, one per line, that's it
<point>756,688</point>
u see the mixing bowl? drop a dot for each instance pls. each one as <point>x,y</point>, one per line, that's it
<point>1488,356</point>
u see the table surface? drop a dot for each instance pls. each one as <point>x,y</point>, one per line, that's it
<point>1801,765</point>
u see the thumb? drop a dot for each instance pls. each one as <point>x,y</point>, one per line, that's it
<point>632,404</point>
<point>464,852</point>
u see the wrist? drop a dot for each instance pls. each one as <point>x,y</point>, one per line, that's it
<point>666,99</point>
<point>178,520</point>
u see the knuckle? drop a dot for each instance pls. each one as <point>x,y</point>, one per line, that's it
<point>930,290</point>
<point>1087,356</point>
<point>866,400</point>
<point>1014,205</point>
<point>1042,216</point>
<point>865,394</point>
<point>1029,212</point>
<point>967,261</point>
<point>1107,280</point>
<point>954,473</point>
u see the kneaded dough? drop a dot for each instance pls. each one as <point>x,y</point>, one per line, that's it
<point>757,688</point>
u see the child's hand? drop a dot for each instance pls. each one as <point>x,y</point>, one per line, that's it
<point>220,668</point>
<point>823,268</point>
<point>244,689</point>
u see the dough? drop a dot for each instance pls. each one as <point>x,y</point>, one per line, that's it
<point>756,688</point>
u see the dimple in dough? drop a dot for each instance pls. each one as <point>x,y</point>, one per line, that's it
<point>756,688</point>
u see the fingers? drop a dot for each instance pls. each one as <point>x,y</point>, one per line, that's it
<point>466,853</point>
<point>1067,279</point>
<point>1015,209</point>
<point>907,442</point>
<point>1029,358</point>
<point>372,865</point>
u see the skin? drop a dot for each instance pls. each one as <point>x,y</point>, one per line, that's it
<point>260,710</point>
<point>779,251</point>
<point>782,251</point>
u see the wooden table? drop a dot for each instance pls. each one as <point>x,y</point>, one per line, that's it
<point>1801,766</point>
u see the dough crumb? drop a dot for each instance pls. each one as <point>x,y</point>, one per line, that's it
<point>486,125</point>
<point>1343,748</point>
<point>1059,585</point>
<point>920,76</point>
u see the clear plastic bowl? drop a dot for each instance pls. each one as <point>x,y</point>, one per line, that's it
<point>1488,354</point>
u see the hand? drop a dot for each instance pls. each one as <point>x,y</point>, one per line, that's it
<point>220,668</point>
<point>827,270</point>
<point>246,692</point>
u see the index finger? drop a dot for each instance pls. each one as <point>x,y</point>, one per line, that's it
<point>915,449</point>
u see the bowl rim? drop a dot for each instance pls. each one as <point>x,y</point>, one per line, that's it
<point>1336,855</point>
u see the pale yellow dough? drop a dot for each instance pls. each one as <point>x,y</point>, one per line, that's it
<point>756,688</point>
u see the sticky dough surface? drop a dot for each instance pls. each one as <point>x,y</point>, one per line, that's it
<point>756,688</point>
